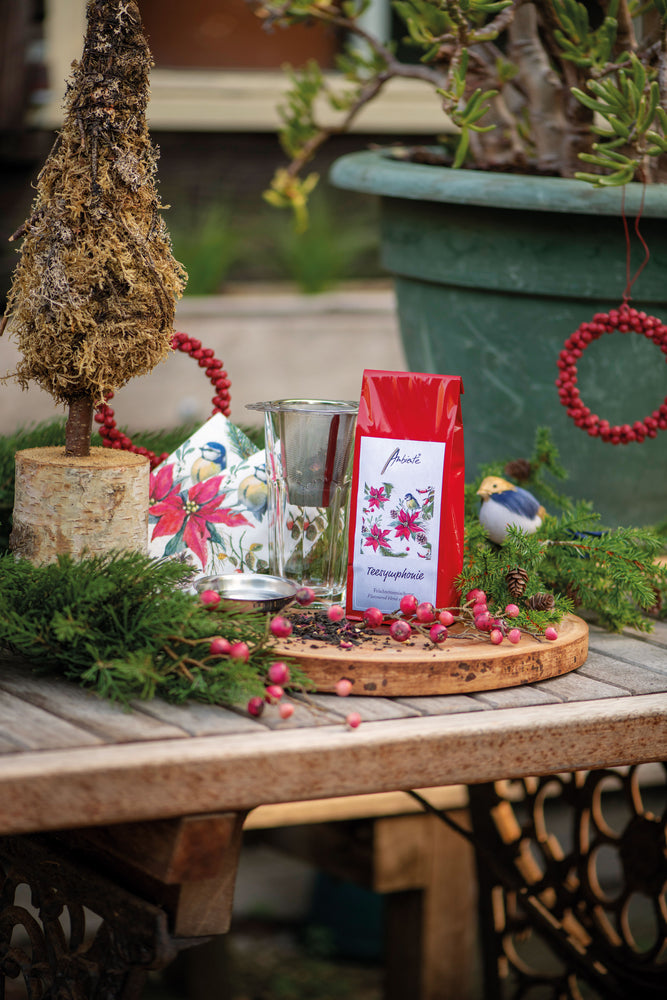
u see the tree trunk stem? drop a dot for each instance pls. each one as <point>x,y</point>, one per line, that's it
<point>79,426</point>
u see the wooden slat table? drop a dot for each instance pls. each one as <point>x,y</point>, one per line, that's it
<point>154,790</point>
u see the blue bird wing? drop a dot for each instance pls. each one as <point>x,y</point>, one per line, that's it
<point>519,502</point>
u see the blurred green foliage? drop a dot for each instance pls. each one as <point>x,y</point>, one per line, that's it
<point>222,242</point>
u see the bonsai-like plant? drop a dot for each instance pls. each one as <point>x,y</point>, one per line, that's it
<point>93,295</point>
<point>528,86</point>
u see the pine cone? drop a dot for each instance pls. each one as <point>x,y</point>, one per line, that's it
<point>517,581</point>
<point>519,469</point>
<point>541,602</point>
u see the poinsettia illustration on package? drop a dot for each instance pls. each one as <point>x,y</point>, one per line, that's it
<point>407,503</point>
<point>208,502</point>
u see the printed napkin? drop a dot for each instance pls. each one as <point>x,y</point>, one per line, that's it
<point>208,502</point>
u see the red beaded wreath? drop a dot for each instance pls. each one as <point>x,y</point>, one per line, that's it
<point>218,377</point>
<point>625,320</point>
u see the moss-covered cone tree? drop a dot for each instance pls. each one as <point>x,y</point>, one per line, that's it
<point>93,295</point>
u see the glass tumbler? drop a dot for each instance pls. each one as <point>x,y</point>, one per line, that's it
<point>308,447</point>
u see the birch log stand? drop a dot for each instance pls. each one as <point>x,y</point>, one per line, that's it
<point>69,505</point>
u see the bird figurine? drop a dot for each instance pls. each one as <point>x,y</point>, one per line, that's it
<point>504,504</point>
<point>212,460</point>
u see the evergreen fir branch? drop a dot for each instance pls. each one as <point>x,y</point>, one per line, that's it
<point>612,573</point>
<point>123,625</point>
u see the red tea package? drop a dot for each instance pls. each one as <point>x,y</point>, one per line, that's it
<point>407,504</point>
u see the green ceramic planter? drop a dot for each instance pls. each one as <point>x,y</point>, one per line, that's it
<point>492,274</point>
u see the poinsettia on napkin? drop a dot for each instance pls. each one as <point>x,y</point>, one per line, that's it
<point>208,502</point>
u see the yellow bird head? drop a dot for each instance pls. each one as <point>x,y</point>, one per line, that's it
<point>493,484</point>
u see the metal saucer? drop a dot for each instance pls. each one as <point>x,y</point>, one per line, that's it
<point>250,591</point>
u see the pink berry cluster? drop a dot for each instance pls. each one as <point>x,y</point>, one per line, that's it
<point>278,674</point>
<point>499,627</point>
<point>220,646</point>
<point>277,677</point>
<point>625,320</point>
<point>474,618</point>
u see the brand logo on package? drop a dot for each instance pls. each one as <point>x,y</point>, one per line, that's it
<point>398,521</point>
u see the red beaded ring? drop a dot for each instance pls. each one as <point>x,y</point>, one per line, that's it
<point>218,377</point>
<point>625,320</point>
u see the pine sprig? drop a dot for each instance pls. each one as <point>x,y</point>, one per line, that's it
<point>123,625</point>
<point>612,573</point>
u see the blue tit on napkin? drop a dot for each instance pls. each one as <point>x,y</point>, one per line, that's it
<point>253,493</point>
<point>211,461</point>
<point>504,504</point>
<point>411,502</point>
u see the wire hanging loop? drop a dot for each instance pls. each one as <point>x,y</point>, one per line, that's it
<point>629,281</point>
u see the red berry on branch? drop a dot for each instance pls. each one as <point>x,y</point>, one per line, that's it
<point>219,646</point>
<point>446,618</point>
<point>278,672</point>
<point>209,598</point>
<point>400,630</point>
<point>373,617</point>
<point>274,693</point>
<point>408,604</point>
<point>239,651</point>
<point>437,633</point>
<point>305,596</point>
<point>425,612</point>
<point>280,627</point>
<point>256,705</point>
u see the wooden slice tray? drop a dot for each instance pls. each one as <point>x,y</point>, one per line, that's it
<point>381,666</point>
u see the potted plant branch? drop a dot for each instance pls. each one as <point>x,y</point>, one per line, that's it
<point>93,294</point>
<point>508,233</point>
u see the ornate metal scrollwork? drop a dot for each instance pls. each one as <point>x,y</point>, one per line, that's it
<point>80,936</point>
<point>573,885</point>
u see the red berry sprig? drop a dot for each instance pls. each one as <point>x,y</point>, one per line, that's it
<point>112,437</point>
<point>474,619</point>
<point>625,320</point>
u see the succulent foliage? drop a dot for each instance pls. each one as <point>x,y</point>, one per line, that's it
<point>526,86</point>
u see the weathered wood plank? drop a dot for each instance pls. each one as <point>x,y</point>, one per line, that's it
<point>66,700</point>
<point>306,715</point>
<point>446,704</point>
<point>31,728</point>
<point>633,678</point>
<point>7,745</point>
<point>657,636</point>
<point>370,709</point>
<point>198,719</point>
<point>624,647</point>
<point>578,687</point>
<point>353,807</point>
<point>131,782</point>
<point>527,694</point>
